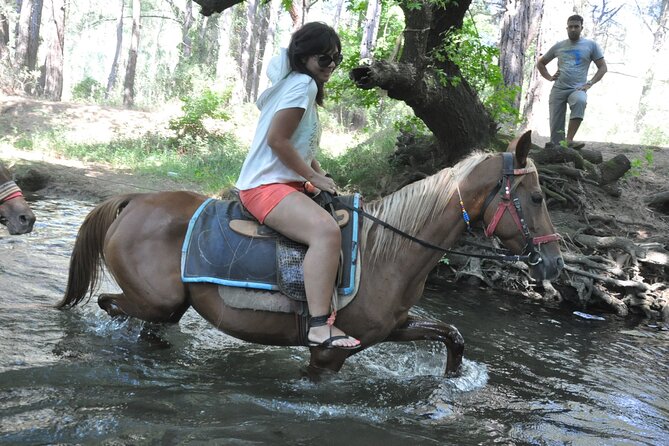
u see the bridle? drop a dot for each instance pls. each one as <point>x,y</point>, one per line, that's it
<point>9,191</point>
<point>530,253</point>
<point>511,203</point>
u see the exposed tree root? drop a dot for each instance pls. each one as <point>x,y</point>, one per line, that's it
<point>616,262</point>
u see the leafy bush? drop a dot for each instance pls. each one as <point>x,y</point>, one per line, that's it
<point>88,89</point>
<point>196,109</point>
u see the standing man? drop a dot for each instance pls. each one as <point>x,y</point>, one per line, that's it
<point>570,80</point>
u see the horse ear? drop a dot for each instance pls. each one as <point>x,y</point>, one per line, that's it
<point>523,146</point>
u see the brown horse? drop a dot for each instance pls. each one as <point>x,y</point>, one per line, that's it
<point>14,211</point>
<point>139,237</point>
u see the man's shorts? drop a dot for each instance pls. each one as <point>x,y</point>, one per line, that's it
<point>260,200</point>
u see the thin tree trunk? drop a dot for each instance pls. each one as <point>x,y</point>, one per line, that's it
<point>27,41</point>
<point>338,10</point>
<point>267,49</point>
<point>53,79</point>
<point>186,41</point>
<point>659,37</point>
<point>519,29</point>
<point>551,23</point>
<point>4,36</point>
<point>249,52</point>
<point>370,29</point>
<point>113,72</point>
<point>264,17</point>
<point>129,84</point>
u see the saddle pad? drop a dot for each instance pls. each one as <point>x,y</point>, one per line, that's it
<point>213,253</point>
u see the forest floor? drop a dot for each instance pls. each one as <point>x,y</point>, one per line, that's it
<point>626,216</point>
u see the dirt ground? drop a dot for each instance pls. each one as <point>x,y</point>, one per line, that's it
<point>22,117</point>
<point>627,216</point>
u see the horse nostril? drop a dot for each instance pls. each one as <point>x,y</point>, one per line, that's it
<point>560,263</point>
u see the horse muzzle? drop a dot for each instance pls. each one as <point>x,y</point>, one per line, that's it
<point>17,220</point>
<point>546,265</point>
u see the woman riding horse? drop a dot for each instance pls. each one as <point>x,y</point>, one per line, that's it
<point>140,236</point>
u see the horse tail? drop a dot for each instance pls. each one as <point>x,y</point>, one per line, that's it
<point>88,257</point>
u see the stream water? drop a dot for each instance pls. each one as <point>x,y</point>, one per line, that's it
<point>531,375</point>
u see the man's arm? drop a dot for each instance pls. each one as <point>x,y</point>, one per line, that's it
<point>541,66</point>
<point>601,71</point>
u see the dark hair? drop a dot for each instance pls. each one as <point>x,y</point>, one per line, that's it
<point>312,38</point>
<point>575,18</point>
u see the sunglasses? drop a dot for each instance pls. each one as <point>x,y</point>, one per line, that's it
<point>325,60</point>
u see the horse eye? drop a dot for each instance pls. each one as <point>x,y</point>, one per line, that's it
<point>537,197</point>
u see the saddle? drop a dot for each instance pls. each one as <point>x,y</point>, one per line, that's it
<point>225,245</point>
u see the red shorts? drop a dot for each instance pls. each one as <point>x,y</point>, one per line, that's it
<point>260,200</point>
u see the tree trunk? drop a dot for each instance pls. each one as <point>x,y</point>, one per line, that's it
<point>113,72</point>
<point>129,84</point>
<point>370,29</point>
<point>248,67</point>
<point>519,29</point>
<point>551,24</point>
<point>658,42</point>
<point>27,41</point>
<point>53,79</point>
<point>434,89</point>
<point>266,47</point>
<point>266,32</point>
<point>338,9</point>
<point>186,41</point>
<point>4,37</point>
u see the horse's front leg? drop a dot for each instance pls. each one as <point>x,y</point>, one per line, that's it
<point>415,329</point>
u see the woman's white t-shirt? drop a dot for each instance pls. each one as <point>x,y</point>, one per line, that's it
<point>262,166</point>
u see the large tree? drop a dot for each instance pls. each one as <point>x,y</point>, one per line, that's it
<point>52,80</point>
<point>27,39</point>
<point>520,26</point>
<point>424,77</point>
<point>131,68</point>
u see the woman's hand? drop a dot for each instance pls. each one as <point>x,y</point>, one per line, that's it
<point>320,181</point>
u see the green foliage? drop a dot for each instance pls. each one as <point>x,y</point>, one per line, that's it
<point>638,165</point>
<point>196,108</point>
<point>213,163</point>
<point>413,125</point>
<point>363,168</point>
<point>478,63</point>
<point>88,89</point>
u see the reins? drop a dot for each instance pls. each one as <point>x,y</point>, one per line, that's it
<point>508,203</point>
<point>503,257</point>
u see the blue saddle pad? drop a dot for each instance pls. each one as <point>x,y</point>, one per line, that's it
<point>214,253</point>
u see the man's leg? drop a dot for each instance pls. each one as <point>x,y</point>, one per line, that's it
<point>577,102</point>
<point>557,108</point>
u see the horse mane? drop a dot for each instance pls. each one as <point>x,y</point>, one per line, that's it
<point>412,207</point>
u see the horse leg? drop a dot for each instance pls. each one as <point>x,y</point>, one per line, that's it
<point>325,362</point>
<point>415,329</point>
<point>118,305</point>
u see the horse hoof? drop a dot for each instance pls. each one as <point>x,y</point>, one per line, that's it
<point>110,307</point>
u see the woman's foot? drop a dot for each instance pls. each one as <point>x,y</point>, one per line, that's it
<point>330,337</point>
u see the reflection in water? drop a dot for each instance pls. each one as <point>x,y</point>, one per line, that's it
<point>531,375</point>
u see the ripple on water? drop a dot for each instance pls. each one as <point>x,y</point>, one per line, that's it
<point>530,375</point>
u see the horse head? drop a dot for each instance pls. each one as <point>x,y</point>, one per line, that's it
<point>14,211</point>
<point>515,211</point>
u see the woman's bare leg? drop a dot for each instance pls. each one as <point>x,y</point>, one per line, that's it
<point>300,219</point>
